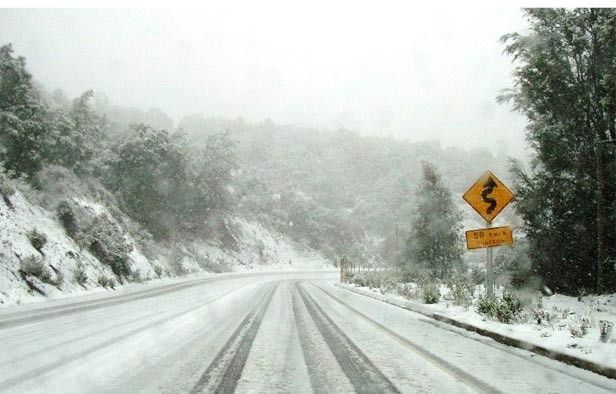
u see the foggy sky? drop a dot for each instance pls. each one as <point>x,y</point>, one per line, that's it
<point>412,73</point>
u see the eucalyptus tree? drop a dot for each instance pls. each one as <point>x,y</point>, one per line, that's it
<point>565,84</point>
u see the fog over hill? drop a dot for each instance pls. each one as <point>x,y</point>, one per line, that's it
<point>334,190</point>
<point>252,191</point>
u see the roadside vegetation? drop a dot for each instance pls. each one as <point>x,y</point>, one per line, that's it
<point>565,83</point>
<point>336,193</point>
<point>385,205</point>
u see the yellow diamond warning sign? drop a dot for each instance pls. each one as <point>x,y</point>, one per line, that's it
<point>488,196</point>
<point>489,237</point>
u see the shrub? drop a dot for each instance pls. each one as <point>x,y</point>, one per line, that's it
<point>461,288</point>
<point>105,240</point>
<point>505,309</point>
<point>120,267</point>
<point>358,279</point>
<point>6,191</point>
<point>80,275</point>
<point>430,292</point>
<point>539,314</point>
<point>177,266</point>
<point>429,288</point>
<point>59,279</point>
<point>67,218</point>
<point>34,265</point>
<point>487,306</point>
<point>38,240</point>
<point>477,276</point>
<point>373,279</point>
<point>106,281</point>
<point>407,291</point>
<point>389,281</point>
<point>509,308</point>
<point>158,270</point>
<point>135,276</point>
<point>580,329</point>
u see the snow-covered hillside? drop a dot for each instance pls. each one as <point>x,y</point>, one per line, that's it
<point>61,267</point>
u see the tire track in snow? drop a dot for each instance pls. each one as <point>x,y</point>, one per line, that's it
<point>6,384</point>
<point>361,372</point>
<point>323,368</point>
<point>225,370</point>
<point>451,369</point>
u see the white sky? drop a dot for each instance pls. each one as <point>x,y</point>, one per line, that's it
<point>381,69</point>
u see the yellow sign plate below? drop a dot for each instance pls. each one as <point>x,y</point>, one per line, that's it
<point>488,196</point>
<point>489,237</point>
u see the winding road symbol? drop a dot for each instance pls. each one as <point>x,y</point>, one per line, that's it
<point>488,196</point>
<point>488,188</point>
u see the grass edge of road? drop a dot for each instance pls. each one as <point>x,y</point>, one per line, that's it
<point>504,339</point>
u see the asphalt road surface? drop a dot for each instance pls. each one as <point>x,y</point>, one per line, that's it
<point>260,333</point>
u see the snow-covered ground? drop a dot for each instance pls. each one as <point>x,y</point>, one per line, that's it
<point>562,316</point>
<point>264,332</point>
<point>63,259</point>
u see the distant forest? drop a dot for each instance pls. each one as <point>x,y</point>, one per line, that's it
<point>334,191</point>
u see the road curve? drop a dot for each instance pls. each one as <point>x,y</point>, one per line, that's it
<point>261,334</point>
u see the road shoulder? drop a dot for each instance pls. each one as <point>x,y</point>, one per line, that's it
<point>499,337</point>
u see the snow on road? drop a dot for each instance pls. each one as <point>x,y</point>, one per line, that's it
<point>275,363</point>
<point>262,333</point>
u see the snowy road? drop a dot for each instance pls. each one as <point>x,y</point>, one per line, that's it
<point>261,333</point>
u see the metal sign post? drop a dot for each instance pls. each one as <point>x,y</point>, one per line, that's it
<point>489,269</point>
<point>488,196</point>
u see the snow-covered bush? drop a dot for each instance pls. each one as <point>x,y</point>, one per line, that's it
<point>34,265</point>
<point>580,329</point>
<point>38,240</point>
<point>408,290</point>
<point>106,281</point>
<point>540,315</point>
<point>461,289</point>
<point>389,281</point>
<point>509,308</point>
<point>358,279</point>
<point>80,274</point>
<point>506,309</point>
<point>6,188</point>
<point>477,276</point>
<point>158,270</point>
<point>487,305</point>
<point>430,292</point>
<point>105,240</point>
<point>429,287</point>
<point>375,279</point>
<point>65,214</point>
<point>177,266</point>
<point>58,280</point>
<point>135,276</point>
